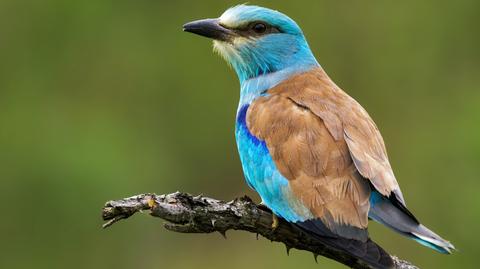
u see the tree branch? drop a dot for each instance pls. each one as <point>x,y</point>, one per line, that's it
<point>185,213</point>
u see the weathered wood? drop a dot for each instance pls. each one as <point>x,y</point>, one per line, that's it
<point>197,214</point>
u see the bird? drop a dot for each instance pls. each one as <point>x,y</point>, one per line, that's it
<point>312,153</point>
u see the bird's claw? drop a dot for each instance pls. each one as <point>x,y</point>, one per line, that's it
<point>274,222</point>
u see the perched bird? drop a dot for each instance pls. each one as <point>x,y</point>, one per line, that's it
<point>310,151</point>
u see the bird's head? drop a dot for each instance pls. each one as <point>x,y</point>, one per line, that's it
<point>256,40</point>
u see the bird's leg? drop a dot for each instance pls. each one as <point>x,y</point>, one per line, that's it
<point>274,222</point>
<point>274,217</point>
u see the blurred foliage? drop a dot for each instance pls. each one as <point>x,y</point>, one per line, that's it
<point>106,99</point>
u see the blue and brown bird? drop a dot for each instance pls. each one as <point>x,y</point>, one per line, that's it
<point>311,152</point>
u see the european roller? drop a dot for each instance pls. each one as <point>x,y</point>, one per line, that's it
<point>311,152</point>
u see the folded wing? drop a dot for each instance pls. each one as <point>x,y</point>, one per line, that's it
<point>346,120</point>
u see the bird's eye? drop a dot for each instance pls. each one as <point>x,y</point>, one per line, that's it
<point>259,28</point>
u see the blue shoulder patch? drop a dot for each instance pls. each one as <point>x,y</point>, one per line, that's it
<point>242,123</point>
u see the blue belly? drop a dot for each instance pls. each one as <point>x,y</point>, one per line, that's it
<point>262,175</point>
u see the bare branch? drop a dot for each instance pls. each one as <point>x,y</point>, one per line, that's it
<point>185,213</point>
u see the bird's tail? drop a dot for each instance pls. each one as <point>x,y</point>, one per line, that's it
<point>396,216</point>
<point>368,252</point>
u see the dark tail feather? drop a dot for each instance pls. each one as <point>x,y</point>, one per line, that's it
<point>367,251</point>
<point>397,217</point>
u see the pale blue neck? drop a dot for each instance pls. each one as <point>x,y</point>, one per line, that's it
<point>254,87</point>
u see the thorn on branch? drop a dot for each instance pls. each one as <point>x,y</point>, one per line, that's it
<point>288,249</point>
<point>223,233</point>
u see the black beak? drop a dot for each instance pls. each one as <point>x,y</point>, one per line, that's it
<point>208,28</point>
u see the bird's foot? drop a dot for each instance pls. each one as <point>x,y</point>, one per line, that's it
<point>274,222</point>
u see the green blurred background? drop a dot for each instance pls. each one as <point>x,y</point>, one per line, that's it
<point>106,99</point>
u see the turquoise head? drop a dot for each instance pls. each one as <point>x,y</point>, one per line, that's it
<point>257,41</point>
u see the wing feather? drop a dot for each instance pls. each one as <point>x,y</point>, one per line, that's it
<point>346,120</point>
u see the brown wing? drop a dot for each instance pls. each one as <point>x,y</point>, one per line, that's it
<point>347,121</point>
<point>319,168</point>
